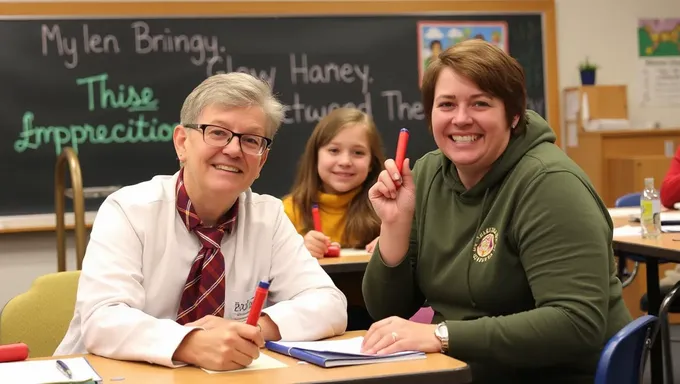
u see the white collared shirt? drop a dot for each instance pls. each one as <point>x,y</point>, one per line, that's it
<point>138,259</point>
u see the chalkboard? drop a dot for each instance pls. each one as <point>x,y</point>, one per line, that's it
<point>77,82</point>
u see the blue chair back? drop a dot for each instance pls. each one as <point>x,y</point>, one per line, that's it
<point>628,200</point>
<point>623,358</point>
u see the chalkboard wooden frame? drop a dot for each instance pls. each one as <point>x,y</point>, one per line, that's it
<point>317,8</point>
<point>546,8</point>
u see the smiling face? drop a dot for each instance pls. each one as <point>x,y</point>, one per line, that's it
<point>469,125</point>
<point>213,173</point>
<point>343,164</point>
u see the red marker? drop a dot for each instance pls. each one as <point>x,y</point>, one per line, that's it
<point>401,148</point>
<point>333,250</point>
<point>316,217</point>
<point>258,303</point>
<point>13,352</point>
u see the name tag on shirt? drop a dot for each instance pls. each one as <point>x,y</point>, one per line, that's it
<point>238,304</point>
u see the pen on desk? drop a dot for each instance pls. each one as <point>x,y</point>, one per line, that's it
<point>63,368</point>
<point>258,303</point>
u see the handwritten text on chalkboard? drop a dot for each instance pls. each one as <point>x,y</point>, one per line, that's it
<point>100,95</point>
<point>206,51</point>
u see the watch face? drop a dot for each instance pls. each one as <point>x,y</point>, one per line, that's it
<point>441,331</point>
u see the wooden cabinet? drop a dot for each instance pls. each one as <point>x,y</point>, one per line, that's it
<point>595,102</point>
<point>627,174</point>
<point>616,161</point>
<point>597,152</point>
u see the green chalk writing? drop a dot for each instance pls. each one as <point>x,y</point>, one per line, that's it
<point>139,130</point>
<point>126,97</point>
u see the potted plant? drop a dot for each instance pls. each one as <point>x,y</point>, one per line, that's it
<point>587,70</point>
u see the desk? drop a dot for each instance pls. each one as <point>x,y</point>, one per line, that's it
<point>345,264</point>
<point>436,368</point>
<point>347,273</point>
<point>664,247</point>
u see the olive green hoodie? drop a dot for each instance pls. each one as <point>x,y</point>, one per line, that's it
<point>520,266</point>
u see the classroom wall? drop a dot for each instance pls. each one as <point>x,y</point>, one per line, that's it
<point>25,256</point>
<point>606,32</point>
<point>584,27</point>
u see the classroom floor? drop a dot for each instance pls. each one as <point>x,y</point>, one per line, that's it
<point>675,348</point>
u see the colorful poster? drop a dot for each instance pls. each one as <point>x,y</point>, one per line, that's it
<point>436,36</point>
<point>659,37</point>
<point>659,62</point>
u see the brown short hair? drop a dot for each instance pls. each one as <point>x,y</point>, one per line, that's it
<point>489,67</point>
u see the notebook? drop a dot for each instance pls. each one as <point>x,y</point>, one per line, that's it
<point>45,371</point>
<point>337,353</point>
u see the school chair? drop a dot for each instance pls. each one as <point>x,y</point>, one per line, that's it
<point>628,200</point>
<point>664,325</point>
<point>40,317</point>
<point>623,358</point>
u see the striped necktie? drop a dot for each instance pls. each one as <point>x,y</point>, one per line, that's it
<point>204,290</point>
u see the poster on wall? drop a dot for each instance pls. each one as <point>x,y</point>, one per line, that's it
<point>659,62</point>
<point>437,36</point>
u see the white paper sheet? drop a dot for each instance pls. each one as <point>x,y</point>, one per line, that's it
<point>353,252</point>
<point>45,371</point>
<point>623,212</point>
<point>636,231</point>
<point>262,362</point>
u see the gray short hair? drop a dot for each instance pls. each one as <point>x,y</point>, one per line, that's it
<point>234,90</point>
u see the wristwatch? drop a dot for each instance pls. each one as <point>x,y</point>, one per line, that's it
<point>442,333</point>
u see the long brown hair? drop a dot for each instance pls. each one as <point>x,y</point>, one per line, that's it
<point>362,225</point>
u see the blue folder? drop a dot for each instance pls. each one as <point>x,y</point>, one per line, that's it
<point>335,359</point>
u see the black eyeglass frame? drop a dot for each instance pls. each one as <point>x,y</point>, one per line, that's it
<point>202,128</point>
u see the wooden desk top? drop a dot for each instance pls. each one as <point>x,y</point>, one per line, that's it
<point>345,264</point>
<point>666,246</point>
<point>436,368</point>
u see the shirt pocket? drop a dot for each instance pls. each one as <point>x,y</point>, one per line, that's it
<point>238,303</point>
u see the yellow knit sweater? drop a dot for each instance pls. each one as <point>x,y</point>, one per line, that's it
<point>332,210</point>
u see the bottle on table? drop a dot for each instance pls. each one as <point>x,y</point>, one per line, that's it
<point>650,210</point>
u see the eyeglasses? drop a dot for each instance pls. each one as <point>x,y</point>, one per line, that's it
<point>217,136</point>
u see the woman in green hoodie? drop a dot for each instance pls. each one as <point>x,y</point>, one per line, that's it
<point>498,230</point>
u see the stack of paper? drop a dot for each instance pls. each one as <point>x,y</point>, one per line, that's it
<point>667,217</point>
<point>336,353</point>
<point>631,231</point>
<point>627,212</point>
<point>46,371</point>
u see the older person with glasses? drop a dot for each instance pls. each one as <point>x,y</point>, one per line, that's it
<point>172,265</point>
<point>221,137</point>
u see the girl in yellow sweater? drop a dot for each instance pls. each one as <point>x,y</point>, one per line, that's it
<point>342,160</point>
